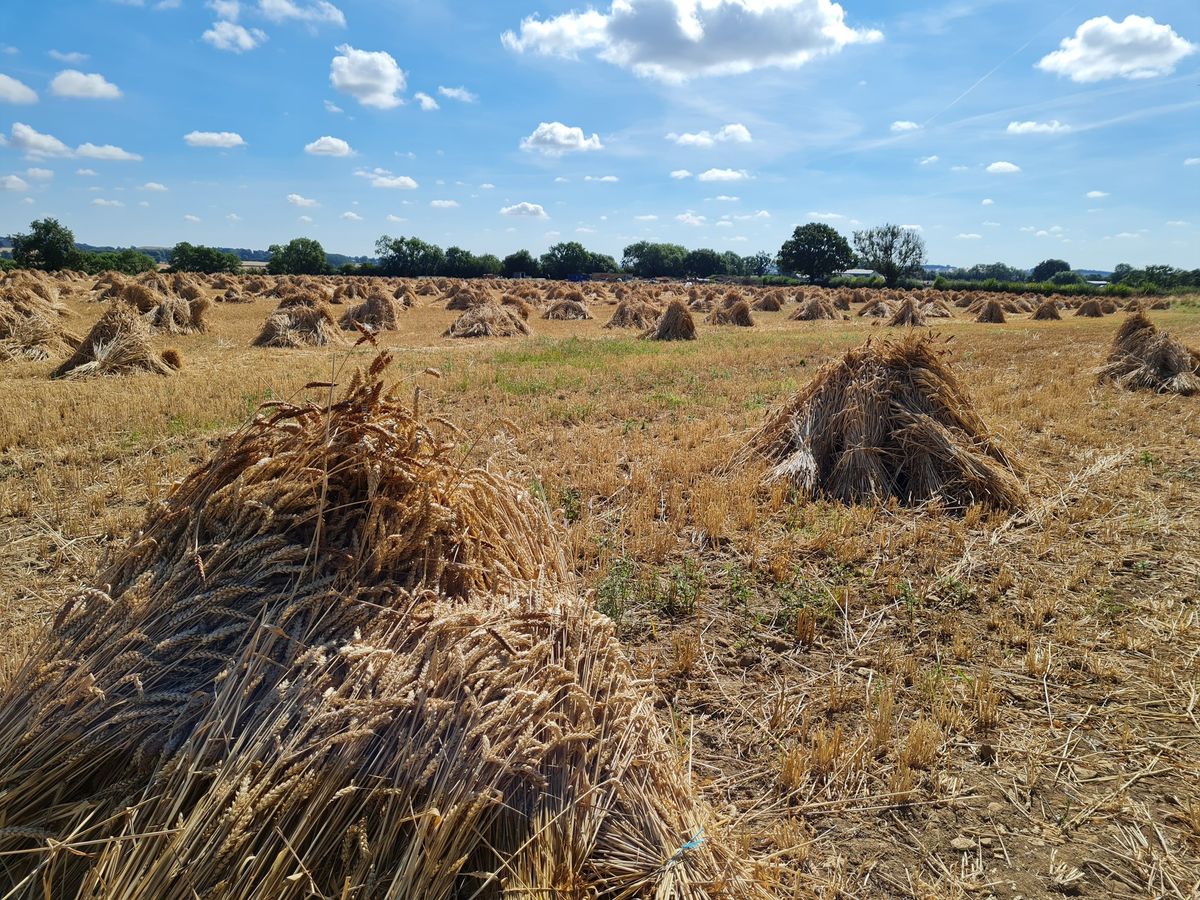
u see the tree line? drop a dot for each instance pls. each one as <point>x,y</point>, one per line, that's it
<point>815,252</point>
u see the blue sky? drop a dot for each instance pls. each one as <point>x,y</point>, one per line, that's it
<point>1005,129</point>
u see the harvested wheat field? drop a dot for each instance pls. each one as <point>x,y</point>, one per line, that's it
<point>642,671</point>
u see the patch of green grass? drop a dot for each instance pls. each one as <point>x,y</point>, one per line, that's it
<point>573,352</point>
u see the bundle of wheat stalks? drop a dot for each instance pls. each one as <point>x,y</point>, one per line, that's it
<point>634,313</point>
<point>489,319</point>
<point>118,344</point>
<point>379,311</point>
<point>300,321</point>
<point>675,324</point>
<point>889,419</point>
<point>1143,358</point>
<point>336,663</point>
<point>29,325</point>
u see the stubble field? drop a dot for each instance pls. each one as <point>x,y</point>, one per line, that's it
<point>877,700</point>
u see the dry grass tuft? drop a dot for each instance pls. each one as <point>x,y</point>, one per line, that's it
<point>889,419</point>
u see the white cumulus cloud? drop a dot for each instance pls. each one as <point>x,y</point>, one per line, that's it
<point>646,218</point>
<point>970,237</point>
<point>444,204</point>
<point>372,77</point>
<point>226,35</point>
<point>13,91</point>
<point>427,103</point>
<point>555,139</point>
<point>723,175</point>
<point>328,146</point>
<point>1101,48</point>
<point>154,186</point>
<point>71,59</point>
<point>351,217</point>
<point>320,12</point>
<point>526,210</point>
<point>188,217</point>
<point>1096,195</point>
<point>680,174</point>
<point>221,140</point>
<point>36,145</point>
<point>735,133</point>
<point>673,40</point>
<point>461,94</point>
<point>603,179</point>
<point>297,200</point>
<point>927,160</point>
<point>382,178</point>
<point>106,152</point>
<point>13,183</point>
<point>113,203</point>
<point>987,201</point>
<point>1003,168</point>
<point>903,126</point>
<point>72,83</point>
<point>690,218</point>
<point>1052,127</point>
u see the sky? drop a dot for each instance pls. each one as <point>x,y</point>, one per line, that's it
<point>1005,130</point>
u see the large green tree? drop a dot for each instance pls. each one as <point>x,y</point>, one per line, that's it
<point>520,263</point>
<point>187,257</point>
<point>1048,268</point>
<point>408,257</point>
<point>704,263</point>
<point>893,251</point>
<point>566,259</point>
<point>459,263</point>
<point>648,259</point>
<point>299,256</point>
<point>758,265</point>
<point>815,251</point>
<point>129,262</point>
<point>49,245</point>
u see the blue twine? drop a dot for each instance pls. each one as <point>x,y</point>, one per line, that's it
<point>693,844</point>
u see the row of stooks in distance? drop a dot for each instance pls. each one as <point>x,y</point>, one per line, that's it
<point>31,311</point>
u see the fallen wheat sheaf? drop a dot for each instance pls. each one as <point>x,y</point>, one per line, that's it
<point>336,663</point>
